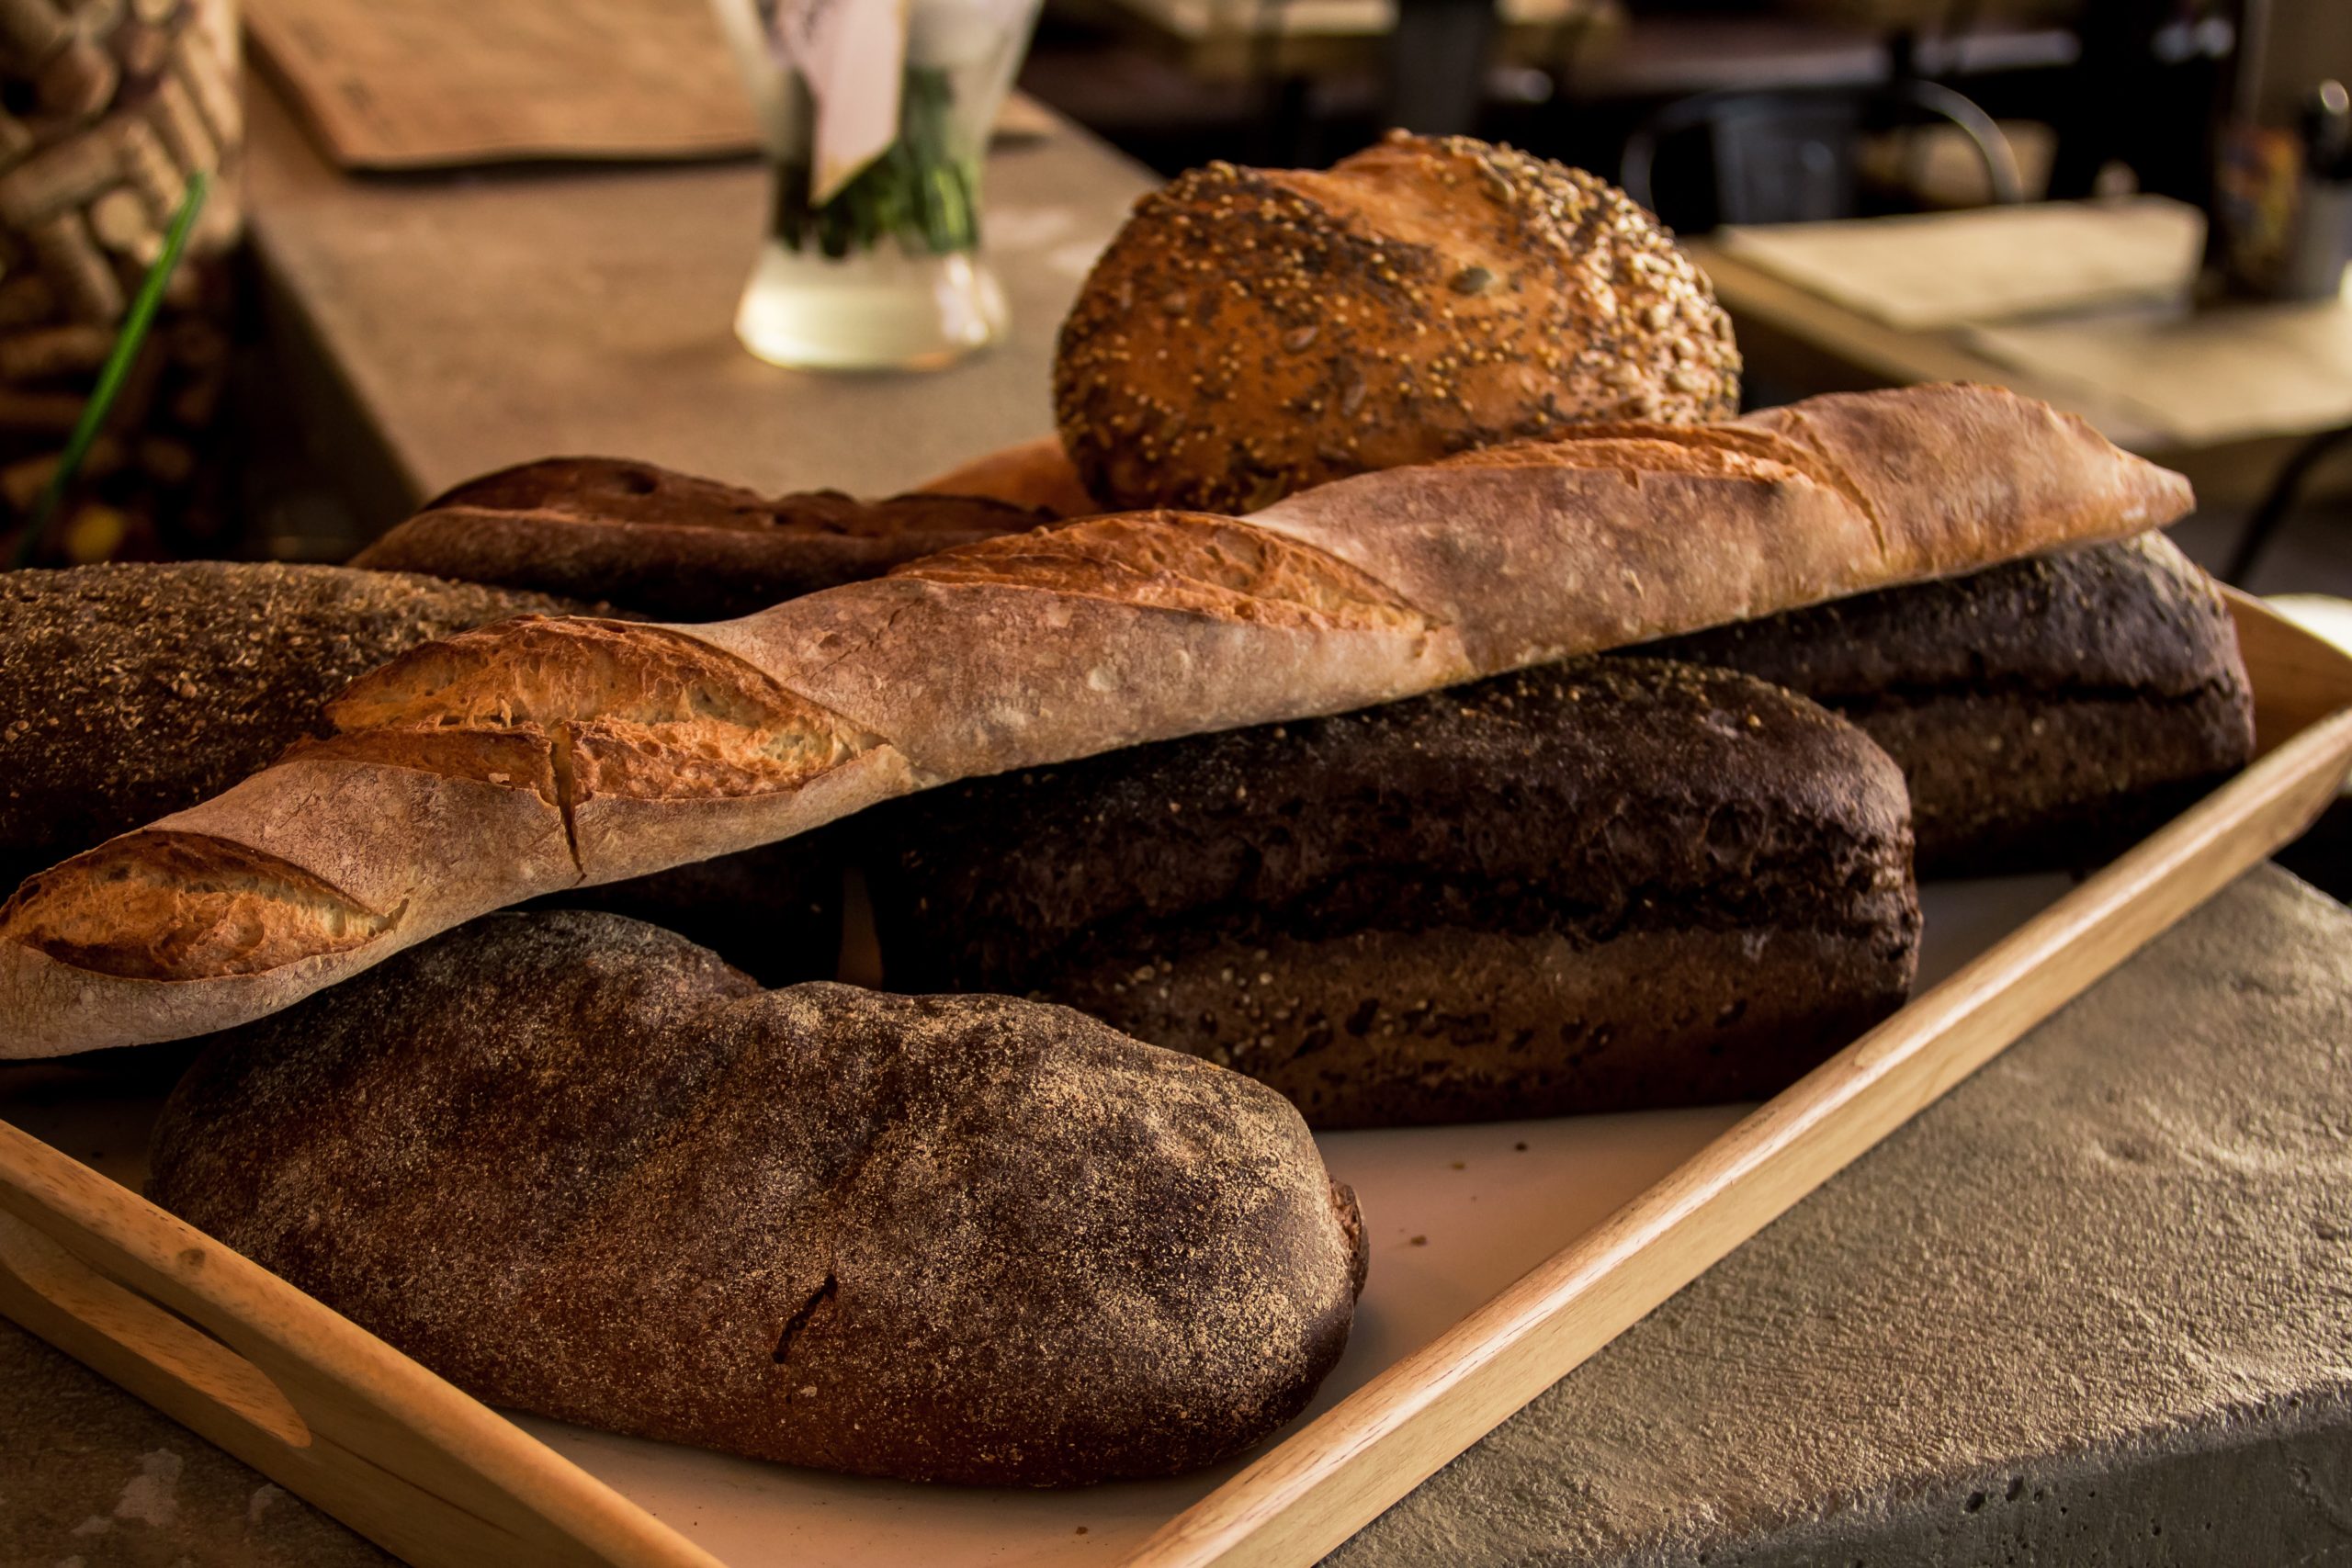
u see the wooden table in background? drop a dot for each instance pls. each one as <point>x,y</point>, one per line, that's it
<point>1798,343</point>
<point>425,328</point>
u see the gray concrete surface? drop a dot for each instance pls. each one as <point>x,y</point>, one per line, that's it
<point>2093,1309</point>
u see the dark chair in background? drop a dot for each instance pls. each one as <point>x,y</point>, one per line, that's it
<point>2280,504</point>
<point>1793,157</point>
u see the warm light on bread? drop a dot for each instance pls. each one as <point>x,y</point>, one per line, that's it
<point>1253,331</point>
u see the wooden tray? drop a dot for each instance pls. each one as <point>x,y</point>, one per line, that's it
<point>334,1415</point>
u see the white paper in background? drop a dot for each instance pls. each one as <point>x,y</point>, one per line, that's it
<point>1452,1215</point>
<point>852,55</point>
<point>955,35</point>
<point>1946,269</point>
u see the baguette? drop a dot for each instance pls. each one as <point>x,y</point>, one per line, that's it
<point>499,765</point>
<point>577,1166</point>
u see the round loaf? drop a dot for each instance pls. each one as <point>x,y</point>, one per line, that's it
<point>1254,332</point>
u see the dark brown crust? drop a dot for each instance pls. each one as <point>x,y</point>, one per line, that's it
<point>905,683</point>
<point>669,545</point>
<point>1522,830</point>
<point>2046,713</point>
<point>130,691</point>
<point>1386,1028</point>
<point>1251,332</point>
<point>579,1167</point>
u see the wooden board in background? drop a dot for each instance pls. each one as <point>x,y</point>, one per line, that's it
<point>404,84</point>
<point>1946,269</point>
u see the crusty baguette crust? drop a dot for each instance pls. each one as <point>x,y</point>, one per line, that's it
<point>671,744</point>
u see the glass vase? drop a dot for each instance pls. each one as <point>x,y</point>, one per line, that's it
<point>875,262</point>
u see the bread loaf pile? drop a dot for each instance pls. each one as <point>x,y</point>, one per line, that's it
<point>1326,737</point>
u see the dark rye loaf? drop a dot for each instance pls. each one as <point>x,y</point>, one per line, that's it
<point>130,691</point>
<point>2047,713</point>
<point>578,1166</point>
<point>1594,887</point>
<point>671,545</point>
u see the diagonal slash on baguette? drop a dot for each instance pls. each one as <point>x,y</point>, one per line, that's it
<point>541,753</point>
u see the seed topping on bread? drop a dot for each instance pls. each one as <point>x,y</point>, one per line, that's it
<point>1254,332</point>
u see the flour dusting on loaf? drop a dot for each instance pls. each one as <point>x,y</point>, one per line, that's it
<point>580,1167</point>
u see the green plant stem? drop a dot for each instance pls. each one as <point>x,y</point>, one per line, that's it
<point>117,369</point>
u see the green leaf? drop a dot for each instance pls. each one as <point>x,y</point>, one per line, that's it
<point>111,376</point>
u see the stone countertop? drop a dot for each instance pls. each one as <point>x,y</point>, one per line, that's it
<point>430,328</point>
<point>2089,1309</point>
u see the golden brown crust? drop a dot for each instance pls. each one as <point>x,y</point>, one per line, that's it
<point>1181,560</point>
<point>1251,332</point>
<point>625,709</point>
<point>165,906</point>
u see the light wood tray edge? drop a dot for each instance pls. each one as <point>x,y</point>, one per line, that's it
<point>339,1417</point>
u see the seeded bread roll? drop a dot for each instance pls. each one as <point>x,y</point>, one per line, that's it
<point>2046,714</point>
<point>669,545</point>
<point>1253,331</point>
<point>1603,885</point>
<point>130,690</point>
<point>578,1166</point>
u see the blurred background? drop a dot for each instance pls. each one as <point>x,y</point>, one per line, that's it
<point>272,274</point>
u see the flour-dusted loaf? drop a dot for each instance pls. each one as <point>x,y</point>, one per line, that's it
<point>130,691</point>
<point>1253,331</point>
<point>1602,886</point>
<point>2047,713</point>
<point>580,1167</point>
<point>525,759</point>
<point>667,543</point>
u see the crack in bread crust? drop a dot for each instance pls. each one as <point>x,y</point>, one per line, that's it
<point>158,905</point>
<point>1183,560</point>
<point>615,708</point>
